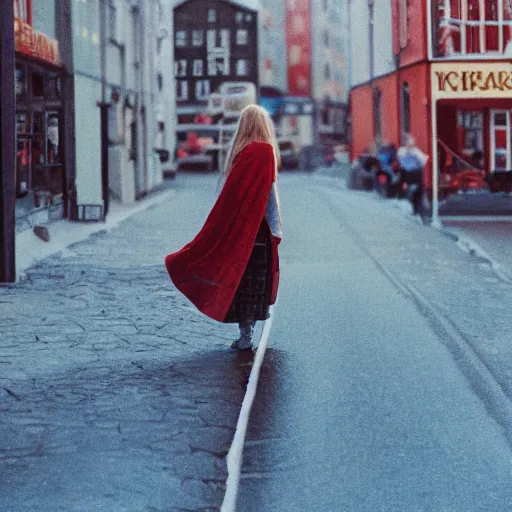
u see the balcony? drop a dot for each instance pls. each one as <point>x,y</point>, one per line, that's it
<point>471,29</point>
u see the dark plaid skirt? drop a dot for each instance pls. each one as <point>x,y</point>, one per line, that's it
<point>252,298</point>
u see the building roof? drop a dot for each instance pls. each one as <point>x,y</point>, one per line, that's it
<point>248,4</point>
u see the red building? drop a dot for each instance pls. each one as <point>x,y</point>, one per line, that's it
<point>451,88</point>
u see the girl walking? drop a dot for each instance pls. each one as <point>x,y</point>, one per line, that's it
<point>230,270</point>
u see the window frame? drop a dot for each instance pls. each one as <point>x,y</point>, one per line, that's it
<point>460,24</point>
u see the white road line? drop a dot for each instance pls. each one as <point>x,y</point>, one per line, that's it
<point>234,458</point>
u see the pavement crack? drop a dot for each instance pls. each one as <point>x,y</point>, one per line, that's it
<point>13,394</point>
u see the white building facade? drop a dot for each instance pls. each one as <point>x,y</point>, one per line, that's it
<point>116,50</point>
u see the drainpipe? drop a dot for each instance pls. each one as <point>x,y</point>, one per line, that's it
<point>104,108</point>
<point>371,7</point>
<point>7,144</point>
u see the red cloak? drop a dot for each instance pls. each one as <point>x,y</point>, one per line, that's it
<point>209,269</point>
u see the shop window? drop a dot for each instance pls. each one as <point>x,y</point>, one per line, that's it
<point>52,138</point>
<point>22,122</point>
<point>377,113</point>
<point>37,85</point>
<point>406,109</point>
<point>38,122</point>
<point>52,90</point>
<point>472,127</point>
<point>469,27</point>
<point>21,84</point>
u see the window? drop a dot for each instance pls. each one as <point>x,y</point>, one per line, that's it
<point>218,39</point>
<point>21,10</point>
<point>212,16</point>
<point>21,84</point>
<point>160,81</point>
<point>406,109</point>
<point>37,85</point>
<point>180,68</point>
<point>202,89</point>
<point>469,27</point>
<point>377,114</point>
<point>197,38</point>
<point>198,67</point>
<point>241,37</point>
<point>181,90</point>
<point>242,68</point>
<point>471,123</point>
<point>218,66</point>
<point>181,39</point>
<point>239,17</point>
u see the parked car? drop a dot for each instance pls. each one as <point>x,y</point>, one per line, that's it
<point>289,156</point>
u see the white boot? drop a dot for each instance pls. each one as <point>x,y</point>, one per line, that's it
<point>245,340</point>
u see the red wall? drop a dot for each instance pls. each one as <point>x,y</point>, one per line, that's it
<point>361,106</point>
<point>298,44</point>
<point>416,27</point>
<point>390,108</point>
<point>361,112</point>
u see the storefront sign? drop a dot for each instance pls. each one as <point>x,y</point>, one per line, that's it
<point>35,44</point>
<point>472,80</point>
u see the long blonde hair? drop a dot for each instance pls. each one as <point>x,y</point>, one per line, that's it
<point>254,125</point>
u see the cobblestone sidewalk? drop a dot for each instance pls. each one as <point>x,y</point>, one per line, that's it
<point>115,394</point>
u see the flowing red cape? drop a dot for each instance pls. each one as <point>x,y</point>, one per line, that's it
<point>209,269</point>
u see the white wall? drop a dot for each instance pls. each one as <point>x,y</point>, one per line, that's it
<point>359,41</point>
<point>88,144</point>
<point>383,62</point>
<point>86,54</point>
<point>383,38</point>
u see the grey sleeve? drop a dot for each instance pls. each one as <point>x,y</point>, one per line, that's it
<point>272,213</point>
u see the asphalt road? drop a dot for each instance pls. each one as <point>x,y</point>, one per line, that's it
<point>361,406</point>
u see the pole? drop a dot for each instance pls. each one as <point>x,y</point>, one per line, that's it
<point>435,169</point>
<point>104,108</point>
<point>7,143</point>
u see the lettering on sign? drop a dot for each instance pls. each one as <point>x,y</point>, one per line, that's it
<point>471,80</point>
<point>474,81</point>
<point>36,44</point>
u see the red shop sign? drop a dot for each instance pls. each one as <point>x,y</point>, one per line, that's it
<point>35,44</point>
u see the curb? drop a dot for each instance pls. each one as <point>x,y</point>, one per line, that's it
<point>469,246</point>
